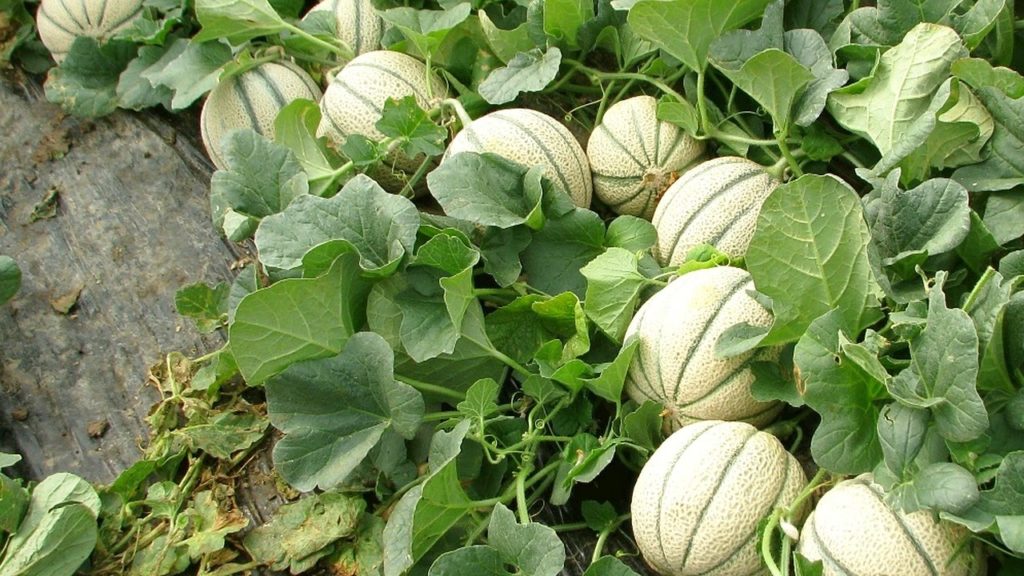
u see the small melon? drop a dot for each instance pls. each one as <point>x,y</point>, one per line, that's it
<point>252,100</point>
<point>354,102</point>
<point>675,363</point>
<point>698,500</point>
<point>359,25</point>
<point>61,21</point>
<point>634,157</point>
<point>528,138</point>
<point>716,203</point>
<point>853,531</point>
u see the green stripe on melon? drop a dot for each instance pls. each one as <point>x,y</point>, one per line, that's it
<point>635,157</point>
<point>252,100</point>
<point>358,24</point>
<point>675,363</point>
<point>61,21</point>
<point>698,500</point>
<point>353,102</point>
<point>853,531</point>
<point>714,203</point>
<point>528,138</point>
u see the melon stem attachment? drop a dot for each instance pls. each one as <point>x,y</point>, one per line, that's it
<point>459,110</point>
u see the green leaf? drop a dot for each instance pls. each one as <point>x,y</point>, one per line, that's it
<point>485,189</point>
<point>770,384</point>
<point>599,516</point>
<point>534,548</point>
<point>901,433</point>
<point>479,560</point>
<point>774,79</point>
<point>941,486</point>
<point>500,248</point>
<point>301,533</point>
<point>380,226</point>
<point>298,319</point>
<point>333,411</point>
<point>1001,508</point>
<point>85,83</point>
<point>505,43</point>
<point>883,107</point>
<point>262,177</point>
<point>642,426</point>
<point>236,21</point>
<point>609,566</point>
<point>814,14</point>
<point>527,72</point>
<point>207,306</point>
<point>559,250</point>
<point>189,69</point>
<point>427,29</point>
<point>809,255</point>
<point>686,28</point>
<point>1004,215</point>
<point>427,511</point>
<point>945,358</point>
<point>980,73</point>
<point>135,92</point>
<point>1003,168</point>
<point>614,284</point>
<point>612,376</point>
<point>810,50</point>
<point>61,541</point>
<point>563,19</point>
<point>407,123</point>
<point>10,278</point>
<point>680,113</point>
<point>631,233</point>
<point>844,395</point>
<point>295,127</point>
<point>934,217</point>
<point>517,330</point>
<point>481,400</point>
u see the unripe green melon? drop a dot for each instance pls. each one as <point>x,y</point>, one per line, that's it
<point>61,21</point>
<point>528,138</point>
<point>634,157</point>
<point>854,532</point>
<point>359,25</point>
<point>354,102</point>
<point>675,363</point>
<point>698,500</point>
<point>252,100</point>
<point>716,203</point>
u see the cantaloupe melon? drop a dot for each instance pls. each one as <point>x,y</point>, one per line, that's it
<point>698,500</point>
<point>359,25</point>
<point>354,102</point>
<point>528,137</point>
<point>854,532</point>
<point>252,100</point>
<point>675,362</point>
<point>61,21</point>
<point>716,203</point>
<point>634,157</point>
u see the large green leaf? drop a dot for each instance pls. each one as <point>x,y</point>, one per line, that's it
<point>1000,90</point>
<point>488,190</point>
<point>885,105</point>
<point>809,255</point>
<point>236,21</point>
<point>526,72</point>
<point>686,28</point>
<point>85,83</point>
<point>381,226</point>
<point>333,411</point>
<point>559,250</point>
<point>298,319</point>
<point>843,394</point>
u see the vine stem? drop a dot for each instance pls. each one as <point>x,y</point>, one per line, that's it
<point>599,546</point>
<point>429,388</point>
<point>459,110</point>
<point>343,50</point>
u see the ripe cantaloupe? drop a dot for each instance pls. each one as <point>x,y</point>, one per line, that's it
<point>61,21</point>
<point>854,532</point>
<point>698,500</point>
<point>528,138</point>
<point>354,102</point>
<point>675,362</point>
<point>716,203</point>
<point>634,157</point>
<point>359,25</point>
<point>252,100</point>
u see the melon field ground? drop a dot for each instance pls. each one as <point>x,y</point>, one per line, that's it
<point>414,287</point>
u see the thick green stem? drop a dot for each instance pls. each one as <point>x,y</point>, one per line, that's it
<point>341,50</point>
<point>429,388</point>
<point>521,503</point>
<point>702,106</point>
<point>459,110</point>
<point>794,166</point>
<point>766,543</point>
<point>599,546</point>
